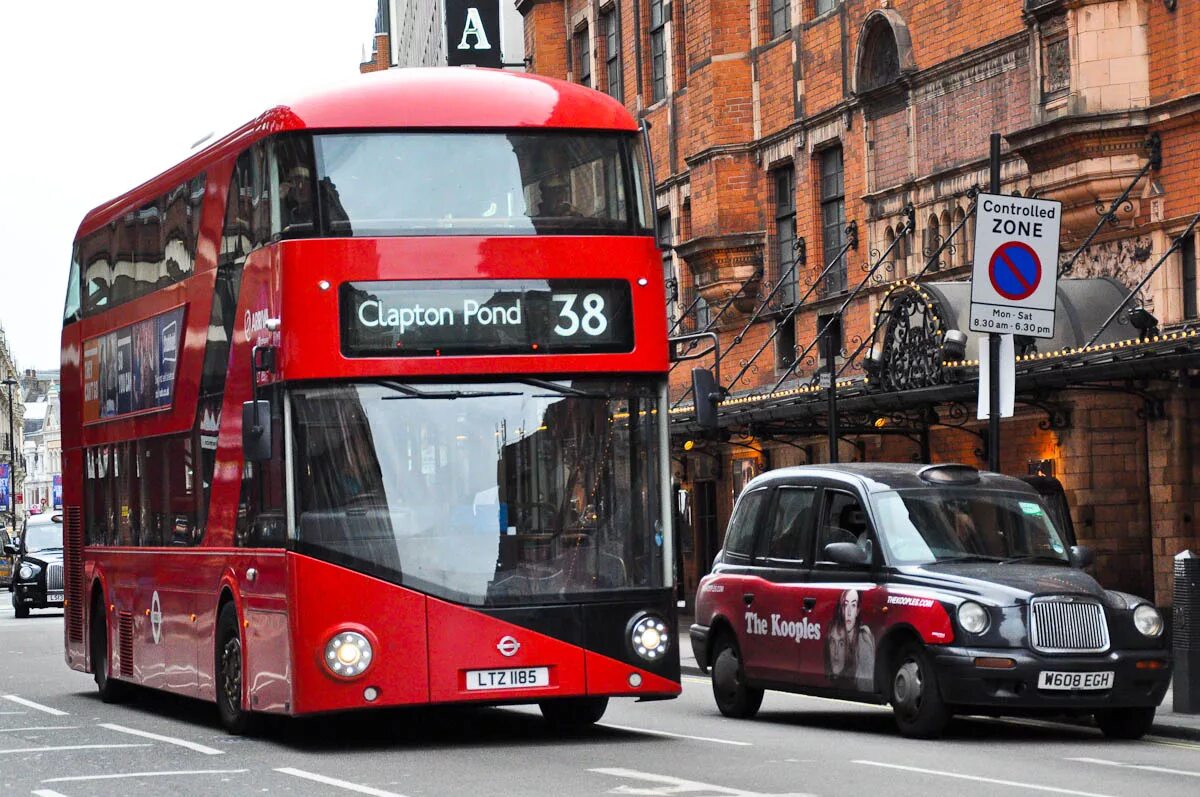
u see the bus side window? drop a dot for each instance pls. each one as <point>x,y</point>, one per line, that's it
<point>262,518</point>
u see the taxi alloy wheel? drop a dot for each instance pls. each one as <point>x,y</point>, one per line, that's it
<point>733,696</point>
<point>916,700</point>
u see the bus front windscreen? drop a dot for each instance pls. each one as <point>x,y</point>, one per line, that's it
<point>480,183</point>
<point>484,493</point>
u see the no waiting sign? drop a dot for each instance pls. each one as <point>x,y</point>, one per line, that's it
<point>1015,276</point>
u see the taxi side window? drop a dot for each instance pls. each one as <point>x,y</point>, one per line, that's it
<point>790,537</point>
<point>739,539</point>
<point>843,519</point>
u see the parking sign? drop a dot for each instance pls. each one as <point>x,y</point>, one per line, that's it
<point>1015,275</point>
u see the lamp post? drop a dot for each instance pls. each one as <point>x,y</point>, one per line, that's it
<point>12,457</point>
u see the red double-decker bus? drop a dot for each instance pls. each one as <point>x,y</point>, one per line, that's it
<point>364,405</point>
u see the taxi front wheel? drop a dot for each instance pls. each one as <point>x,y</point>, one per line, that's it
<point>916,699</point>
<point>1125,723</point>
<point>734,697</point>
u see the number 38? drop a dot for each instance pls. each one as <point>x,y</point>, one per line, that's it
<point>593,322</point>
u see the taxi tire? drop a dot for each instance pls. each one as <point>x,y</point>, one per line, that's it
<point>570,713</point>
<point>734,697</point>
<point>228,651</point>
<point>916,700</point>
<point>19,611</point>
<point>1125,723</point>
<point>110,689</point>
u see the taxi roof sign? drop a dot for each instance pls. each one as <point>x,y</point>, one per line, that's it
<point>1015,277</point>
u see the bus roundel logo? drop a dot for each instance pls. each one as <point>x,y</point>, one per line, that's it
<point>156,618</point>
<point>508,646</point>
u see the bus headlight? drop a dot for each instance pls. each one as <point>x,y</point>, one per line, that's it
<point>1147,620</point>
<point>28,570</point>
<point>649,637</point>
<point>348,654</point>
<point>972,617</point>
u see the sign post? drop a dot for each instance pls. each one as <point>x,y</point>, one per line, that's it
<point>1014,282</point>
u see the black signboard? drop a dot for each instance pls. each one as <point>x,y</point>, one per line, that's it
<point>431,319</point>
<point>473,33</point>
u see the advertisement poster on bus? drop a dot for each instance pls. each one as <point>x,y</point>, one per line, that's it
<point>56,495</point>
<point>132,370</point>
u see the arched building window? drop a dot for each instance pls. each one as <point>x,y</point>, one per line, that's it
<point>961,249</point>
<point>884,51</point>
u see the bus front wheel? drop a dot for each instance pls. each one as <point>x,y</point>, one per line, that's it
<point>229,669</point>
<point>573,712</point>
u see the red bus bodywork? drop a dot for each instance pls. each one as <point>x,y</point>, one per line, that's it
<point>162,603</point>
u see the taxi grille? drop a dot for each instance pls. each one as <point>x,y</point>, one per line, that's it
<point>1067,625</point>
<point>54,578</point>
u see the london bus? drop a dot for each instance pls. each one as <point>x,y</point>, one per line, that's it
<point>364,406</point>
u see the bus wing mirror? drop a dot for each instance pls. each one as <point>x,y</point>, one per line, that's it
<point>256,430</point>
<point>707,393</point>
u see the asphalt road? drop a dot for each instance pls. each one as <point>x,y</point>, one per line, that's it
<point>57,738</point>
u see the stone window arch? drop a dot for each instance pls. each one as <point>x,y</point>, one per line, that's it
<point>884,51</point>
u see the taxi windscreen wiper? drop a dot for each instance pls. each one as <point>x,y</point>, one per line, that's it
<point>1035,557</point>
<point>410,392</point>
<point>967,557</point>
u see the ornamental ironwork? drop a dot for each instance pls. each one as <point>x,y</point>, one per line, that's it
<point>912,343</point>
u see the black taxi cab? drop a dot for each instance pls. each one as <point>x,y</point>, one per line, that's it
<point>939,589</point>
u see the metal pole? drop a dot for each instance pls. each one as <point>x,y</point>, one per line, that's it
<point>833,420</point>
<point>994,342</point>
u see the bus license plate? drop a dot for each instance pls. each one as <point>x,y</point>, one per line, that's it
<point>516,678</point>
<point>54,597</point>
<point>1075,680</point>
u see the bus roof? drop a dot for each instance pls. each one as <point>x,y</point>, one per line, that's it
<point>402,98</point>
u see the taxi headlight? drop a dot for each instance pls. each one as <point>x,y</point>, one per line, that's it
<point>1147,620</point>
<point>28,570</point>
<point>348,654</point>
<point>649,637</point>
<point>972,617</point>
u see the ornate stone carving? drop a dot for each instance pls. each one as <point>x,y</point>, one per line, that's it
<point>726,267</point>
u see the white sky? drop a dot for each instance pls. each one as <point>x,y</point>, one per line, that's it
<point>97,97</point>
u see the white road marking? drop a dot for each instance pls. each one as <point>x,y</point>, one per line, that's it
<point>674,735</point>
<point>47,793</point>
<point>199,748</point>
<point>58,748</point>
<point>41,728</point>
<point>30,704</point>
<point>1146,767</point>
<point>341,784</point>
<point>171,773</point>
<point>981,779</point>
<point>672,785</point>
<point>9,713</point>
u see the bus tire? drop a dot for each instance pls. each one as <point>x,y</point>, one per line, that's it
<point>230,670</point>
<point>110,689</point>
<point>734,697</point>
<point>916,699</point>
<point>573,712</point>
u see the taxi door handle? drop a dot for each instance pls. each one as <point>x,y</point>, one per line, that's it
<point>809,603</point>
<point>748,598</point>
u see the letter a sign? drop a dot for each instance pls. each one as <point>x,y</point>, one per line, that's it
<point>473,33</point>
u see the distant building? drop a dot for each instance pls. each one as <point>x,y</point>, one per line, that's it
<point>414,33</point>
<point>42,446</point>
<point>11,418</point>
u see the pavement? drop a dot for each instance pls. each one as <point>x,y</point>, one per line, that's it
<point>1167,722</point>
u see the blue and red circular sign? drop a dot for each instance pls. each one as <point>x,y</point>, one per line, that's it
<point>1015,270</point>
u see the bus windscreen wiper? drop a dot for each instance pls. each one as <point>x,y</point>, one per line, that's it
<point>411,392</point>
<point>564,390</point>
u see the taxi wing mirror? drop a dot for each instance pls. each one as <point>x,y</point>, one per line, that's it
<point>847,553</point>
<point>1081,556</point>
<point>10,549</point>
<point>256,430</point>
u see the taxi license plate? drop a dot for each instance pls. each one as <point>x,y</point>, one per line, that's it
<point>54,597</point>
<point>514,678</point>
<point>1075,680</point>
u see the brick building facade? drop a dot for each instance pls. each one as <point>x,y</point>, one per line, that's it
<point>813,156</point>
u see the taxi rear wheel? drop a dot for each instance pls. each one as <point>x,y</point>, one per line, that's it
<point>734,697</point>
<point>916,700</point>
<point>1125,723</point>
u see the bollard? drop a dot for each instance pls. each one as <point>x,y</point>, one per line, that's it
<point>1186,686</point>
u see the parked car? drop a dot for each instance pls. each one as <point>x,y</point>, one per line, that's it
<point>35,509</point>
<point>937,589</point>
<point>37,581</point>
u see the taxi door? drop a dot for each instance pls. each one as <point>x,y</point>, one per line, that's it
<point>780,610</point>
<point>845,598</point>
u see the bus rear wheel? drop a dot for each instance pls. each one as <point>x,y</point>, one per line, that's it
<point>110,689</point>
<point>573,712</point>
<point>229,669</point>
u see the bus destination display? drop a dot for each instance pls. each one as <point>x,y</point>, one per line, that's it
<point>430,319</point>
